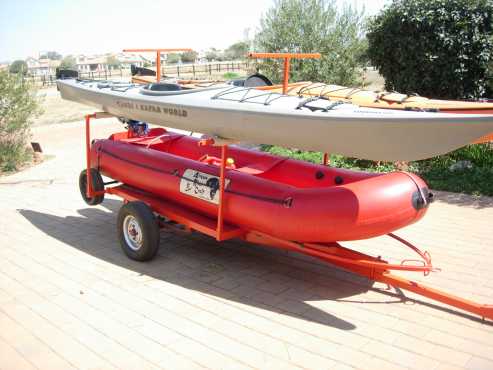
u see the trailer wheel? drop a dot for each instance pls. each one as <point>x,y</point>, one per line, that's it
<point>138,231</point>
<point>97,185</point>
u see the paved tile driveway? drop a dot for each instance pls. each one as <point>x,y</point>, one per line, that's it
<point>69,298</point>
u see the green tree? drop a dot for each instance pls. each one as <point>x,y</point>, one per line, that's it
<point>19,104</point>
<point>305,26</point>
<point>189,57</point>
<point>238,50</point>
<point>113,62</point>
<point>68,62</point>
<point>213,54</point>
<point>172,58</point>
<point>18,66</point>
<point>438,48</point>
<point>53,55</point>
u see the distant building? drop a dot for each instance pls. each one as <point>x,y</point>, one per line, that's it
<point>99,63</point>
<point>41,67</point>
<point>91,63</point>
<point>126,60</point>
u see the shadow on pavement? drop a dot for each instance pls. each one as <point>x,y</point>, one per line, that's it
<point>464,200</point>
<point>232,270</point>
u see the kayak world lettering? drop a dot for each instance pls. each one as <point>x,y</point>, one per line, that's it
<point>125,104</point>
<point>150,108</point>
<point>178,112</point>
<point>175,112</point>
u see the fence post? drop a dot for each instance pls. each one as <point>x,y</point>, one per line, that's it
<point>178,70</point>
<point>193,70</point>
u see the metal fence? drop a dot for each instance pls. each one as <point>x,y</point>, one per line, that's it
<point>177,70</point>
<point>204,68</point>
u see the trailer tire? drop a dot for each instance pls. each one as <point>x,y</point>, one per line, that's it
<point>138,231</point>
<point>97,185</point>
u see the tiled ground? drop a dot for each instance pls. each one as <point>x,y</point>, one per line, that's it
<point>69,298</point>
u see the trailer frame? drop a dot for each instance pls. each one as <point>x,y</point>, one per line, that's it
<point>373,268</point>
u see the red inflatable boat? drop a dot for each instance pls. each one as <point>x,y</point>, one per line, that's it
<point>281,197</point>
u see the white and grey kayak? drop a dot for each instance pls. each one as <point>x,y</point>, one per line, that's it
<point>247,114</point>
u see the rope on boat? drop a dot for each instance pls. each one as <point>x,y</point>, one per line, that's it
<point>270,96</point>
<point>304,104</point>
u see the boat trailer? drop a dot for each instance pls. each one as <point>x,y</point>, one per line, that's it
<point>173,217</point>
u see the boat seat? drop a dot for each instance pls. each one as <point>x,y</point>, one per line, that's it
<point>260,167</point>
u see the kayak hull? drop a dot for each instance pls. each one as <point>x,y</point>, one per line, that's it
<point>345,129</point>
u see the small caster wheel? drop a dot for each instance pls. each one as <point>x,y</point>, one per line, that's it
<point>97,185</point>
<point>138,231</point>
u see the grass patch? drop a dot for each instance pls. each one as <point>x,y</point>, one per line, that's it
<point>476,178</point>
<point>230,75</point>
<point>12,156</point>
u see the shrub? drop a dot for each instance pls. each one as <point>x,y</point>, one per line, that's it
<point>438,48</point>
<point>237,51</point>
<point>18,66</point>
<point>172,58</point>
<point>306,26</point>
<point>189,57</point>
<point>68,62</point>
<point>18,105</point>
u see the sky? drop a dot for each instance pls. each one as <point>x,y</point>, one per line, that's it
<point>29,27</point>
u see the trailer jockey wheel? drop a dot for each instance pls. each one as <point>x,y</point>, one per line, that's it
<point>97,185</point>
<point>138,231</point>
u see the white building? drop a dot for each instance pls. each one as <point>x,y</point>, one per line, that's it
<point>41,67</point>
<point>91,63</point>
<point>99,63</point>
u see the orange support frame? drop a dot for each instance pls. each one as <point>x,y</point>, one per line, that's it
<point>222,185</point>
<point>287,57</point>
<point>285,83</point>
<point>373,268</point>
<point>158,52</point>
<point>90,193</point>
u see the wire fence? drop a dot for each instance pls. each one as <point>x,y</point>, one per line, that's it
<point>177,70</point>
